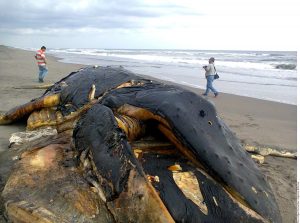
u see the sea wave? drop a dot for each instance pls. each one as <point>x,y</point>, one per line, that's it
<point>291,76</point>
<point>261,74</point>
<point>256,83</point>
<point>286,66</point>
<point>245,60</point>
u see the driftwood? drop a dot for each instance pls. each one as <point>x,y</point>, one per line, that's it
<point>267,151</point>
<point>39,86</point>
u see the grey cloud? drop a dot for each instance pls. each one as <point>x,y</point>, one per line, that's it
<point>98,14</point>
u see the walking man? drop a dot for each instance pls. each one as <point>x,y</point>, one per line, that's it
<point>210,71</point>
<point>41,61</point>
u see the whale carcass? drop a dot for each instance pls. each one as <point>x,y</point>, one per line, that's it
<point>127,149</point>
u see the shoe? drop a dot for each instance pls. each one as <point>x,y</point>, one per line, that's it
<point>41,81</point>
<point>216,94</point>
<point>204,94</point>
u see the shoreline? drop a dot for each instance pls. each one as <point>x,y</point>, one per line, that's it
<point>246,110</point>
<point>254,82</point>
<point>191,76</point>
<point>255,121</point>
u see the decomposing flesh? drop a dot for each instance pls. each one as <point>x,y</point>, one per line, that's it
<point>133,150</point>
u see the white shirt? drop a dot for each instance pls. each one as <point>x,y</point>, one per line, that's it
<point>210,70</point>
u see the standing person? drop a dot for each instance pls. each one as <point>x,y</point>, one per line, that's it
<point>41,61</point>
<point>210,71</point>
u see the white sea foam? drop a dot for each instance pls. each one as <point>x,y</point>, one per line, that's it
<point>191,58</point>
<point>245,73</point>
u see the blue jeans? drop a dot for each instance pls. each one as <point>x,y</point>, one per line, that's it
<point>43,71</point>
<point>209,86</point>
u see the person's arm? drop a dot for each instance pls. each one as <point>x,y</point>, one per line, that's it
<point>44,57</point>
<point>207,68</point>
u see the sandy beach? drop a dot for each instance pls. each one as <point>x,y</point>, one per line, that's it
<point>256,122</point>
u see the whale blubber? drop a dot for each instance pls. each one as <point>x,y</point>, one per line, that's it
<point>129,147</point>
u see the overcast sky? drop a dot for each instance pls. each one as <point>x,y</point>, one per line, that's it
<point>148,24</point>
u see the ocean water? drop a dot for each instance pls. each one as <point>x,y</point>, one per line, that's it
<point>265,75</point>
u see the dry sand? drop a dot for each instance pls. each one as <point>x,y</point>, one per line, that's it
<point>256,122</point>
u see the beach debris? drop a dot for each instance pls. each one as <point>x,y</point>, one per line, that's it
<point>40,86</point>
<point>268,151</point>
<point>127,149</point>
<point>258,158</point>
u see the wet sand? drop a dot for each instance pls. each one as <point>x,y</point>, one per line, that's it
<point>256,122</point>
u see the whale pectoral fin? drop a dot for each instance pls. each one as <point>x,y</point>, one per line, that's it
<point>4,120</point>
<point>26,109</point>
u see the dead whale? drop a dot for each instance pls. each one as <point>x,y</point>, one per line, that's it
<point>202,175</point>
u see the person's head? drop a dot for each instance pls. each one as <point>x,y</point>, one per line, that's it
<point>211,60</point>
<point>43,48</point>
